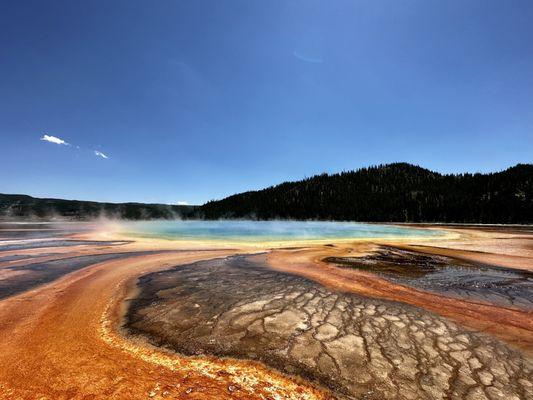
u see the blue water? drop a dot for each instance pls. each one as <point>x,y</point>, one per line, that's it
<point>261,231</point>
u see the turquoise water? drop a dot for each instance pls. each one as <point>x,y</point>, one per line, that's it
<point>261,231</point>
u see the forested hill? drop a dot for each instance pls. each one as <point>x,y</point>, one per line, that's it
<point>386,193</point>
<point>16,206</point>
<point>394,193</point>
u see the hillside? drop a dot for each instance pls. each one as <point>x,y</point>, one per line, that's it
<point>14,206</point>
<point>387,193</point>
<point>390,193</point>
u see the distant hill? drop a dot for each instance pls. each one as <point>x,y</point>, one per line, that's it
<point>16,206</point>
<point>397,192</point>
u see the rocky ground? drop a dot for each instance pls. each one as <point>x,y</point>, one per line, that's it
<point>446,318</point>
<point>356,346</point>
<point>508,287</point>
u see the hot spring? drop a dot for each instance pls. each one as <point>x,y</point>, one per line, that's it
<point>268,231</point>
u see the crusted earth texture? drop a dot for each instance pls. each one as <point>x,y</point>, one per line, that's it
<point>507,287</point>
<point>357,347</point>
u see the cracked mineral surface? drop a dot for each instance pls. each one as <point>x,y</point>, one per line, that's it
<point>506,287</point>
<point>358,347</point>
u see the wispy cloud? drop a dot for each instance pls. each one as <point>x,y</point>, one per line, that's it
<point>183,203</point>
<point>303,57</point>
<point>54,139</point>
<point>100,154</point>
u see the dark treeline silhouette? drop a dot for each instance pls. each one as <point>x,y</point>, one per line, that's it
<point>15,206</point>
<point>387,193</point>
<point>397,192</point>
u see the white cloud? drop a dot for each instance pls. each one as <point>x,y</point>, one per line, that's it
<point>54,139</point>
<point>100,154</point>
<point>182,203</point>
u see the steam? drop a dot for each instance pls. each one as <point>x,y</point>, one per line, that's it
<point>265,231</point>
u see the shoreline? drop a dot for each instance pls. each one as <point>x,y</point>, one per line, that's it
<point>88,304</point>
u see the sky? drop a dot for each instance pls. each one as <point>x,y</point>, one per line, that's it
<point>186,101</point>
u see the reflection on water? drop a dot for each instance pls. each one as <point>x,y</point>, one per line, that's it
<point>444,275</point>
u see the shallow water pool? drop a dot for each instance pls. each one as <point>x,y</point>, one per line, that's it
<point>264,231</point>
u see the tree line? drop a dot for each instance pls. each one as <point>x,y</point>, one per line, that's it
<point>398,192</point>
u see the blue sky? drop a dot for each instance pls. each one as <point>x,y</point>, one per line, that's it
<point>195,100</point>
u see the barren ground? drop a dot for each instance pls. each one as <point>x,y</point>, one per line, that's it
<point>105,317</point>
